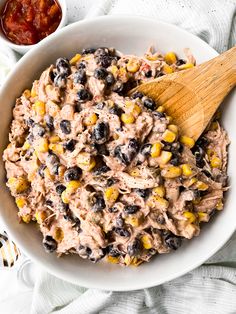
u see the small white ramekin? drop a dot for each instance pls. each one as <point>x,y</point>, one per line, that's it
<point>22,49</point>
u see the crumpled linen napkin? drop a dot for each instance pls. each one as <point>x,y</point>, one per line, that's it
<point>210,289</point>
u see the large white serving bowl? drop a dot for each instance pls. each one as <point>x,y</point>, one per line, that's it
<point>131,35</point>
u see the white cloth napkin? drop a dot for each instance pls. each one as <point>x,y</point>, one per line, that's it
<point>210,289</point>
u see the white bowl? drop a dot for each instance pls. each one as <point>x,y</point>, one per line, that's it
<point>22,49</point>
<point>129,35</point>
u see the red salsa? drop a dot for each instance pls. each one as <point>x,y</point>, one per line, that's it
<point>26,22</point>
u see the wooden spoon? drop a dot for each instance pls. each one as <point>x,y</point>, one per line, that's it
<point>192,96</point>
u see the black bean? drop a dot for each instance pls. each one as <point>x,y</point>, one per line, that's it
<point>101,149</point>
<point>207,173</point>
<point>111,181</point>
<point>180,62</point>
<point>134,248</point>
<point>159,74</point>
<point>80,77</point>
<point>159,115</point>
<point>55,169</point>
<point>41,170</point>
<point>63,207</point>
<point>100,170</point>
<point>113,209</point>
<point>104,60</point>
<point>175,161</point>
<point>81,65</point>
<point>118,88</point>
<point>38,130</point>
<point>102,51</point>
<point>116,110</point>
<point>172,241</point>
<point>101,132</point>
<point>144,193</point>
<point>110,79</point>
<point>30,122</point>
<point>137,95</point>
<point>122,232</point>
<point>60,81</point>
<point>52,158</point>
<point>49,203</point>
<point>65,126</point>
<point>202,142</point>
<point>70,145</point>
<point>52,75</point>
<point>100,73</point>
<point>86,51</point>
<point>73,173</point>
<point>49,244</point>
<point>114,252</point>
<point>63,66</point>
<point>60,188</point>
<point>148,73</point>
<point>98,203</point>
<point>120,155</point>
<point>131,209</point>
<point>133,145</point>
<point>149,104</point>
<point>146,149</point>
<point>49,122</point>
<point>83,95</point>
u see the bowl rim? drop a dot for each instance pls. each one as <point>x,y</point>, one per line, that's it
<point>17,47</point>
<point>57,272</point>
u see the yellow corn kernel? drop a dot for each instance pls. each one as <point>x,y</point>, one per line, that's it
<point>42,145</point>
<point>173,128</point>
<point>112,259</point>
<point>75,59</point>
<point>196,201</point>
<point>64,197</point>
<point>134,172</point>
<point>146,241</point>
<point>48,174</point>
<point>165,157</point>
<point>169,118</point>
<point>170,57</point>
<point>90,120</point>
<point>54,139</point>
<point>185,66</point>
<point>167,69</point>
<point>159,190</point>
<point>40,216</point>
<point>210,153</point>
<point>216,162</point>
<point>72,186</point>
<point>187,170</point>
<point>114,70</point>
<point>161,201</point>
<point>168,136</point>
<point>18,185</point>
<point>133,65</point>
<point>111,194</point>
<point>151,57</point>
<point>39,108</point>
<point>188,141</point>
<point>201,186</point>
<point>133,221</point>
<point>123,74</point>
<point>56,148</point>
<point>58,234</point>
<point>136,109</point>
<point>190,216</point>
<point>33,92</point>
<point>85,161</point>
<point>127,260</point>
<point>127,118</point>
<point>27,93</point>
<point>202,216</point>
<point>20,202</point>
<point>156,150</point>
<point>135,261</point>
<point>219,205</point>
<point>160,109</point>
<point>26,218</point>
<point>31,176</point>
<point>171,172</point>
<point>26,145</point>
<point>192,181</point>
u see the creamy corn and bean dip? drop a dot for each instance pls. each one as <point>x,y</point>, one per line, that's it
<point>107,176</point>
